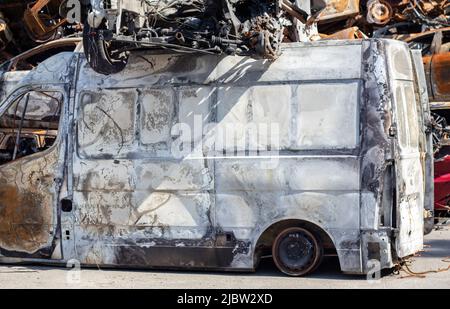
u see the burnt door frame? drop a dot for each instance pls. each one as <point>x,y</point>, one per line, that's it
<point>33,181</point>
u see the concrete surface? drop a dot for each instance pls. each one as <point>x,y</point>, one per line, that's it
<point>435,256</point>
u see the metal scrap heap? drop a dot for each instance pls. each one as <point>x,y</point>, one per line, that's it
<point>114,28</point>
<point>383,17</point>
<point>242,27</point>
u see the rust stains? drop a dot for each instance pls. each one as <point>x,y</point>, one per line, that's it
<point>352,33</point>
<point>25,225</point>
<point>338,10</point>
<point>27,211</point>
<point>441,74</point>
<point>339,5</point>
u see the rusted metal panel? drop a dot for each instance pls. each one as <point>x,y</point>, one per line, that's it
<point>28,214</point>
<point>427,67</point>
<point>410,37</point>
<point>440,76</point>
<point>30,187</point>
<point>351,33</point>
<point>339,9</point>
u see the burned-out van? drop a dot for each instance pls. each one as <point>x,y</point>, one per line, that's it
<point>209,162</point>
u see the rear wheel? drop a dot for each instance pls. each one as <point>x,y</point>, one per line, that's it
<point>297,252</point>
<point>105,57</point>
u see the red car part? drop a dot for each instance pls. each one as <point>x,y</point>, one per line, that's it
<point>442,184</point>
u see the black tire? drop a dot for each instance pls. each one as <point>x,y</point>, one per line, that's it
<point>98,53</point>
<point>297,252</point>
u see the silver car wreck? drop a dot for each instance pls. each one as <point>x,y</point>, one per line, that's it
<point>142,174</point>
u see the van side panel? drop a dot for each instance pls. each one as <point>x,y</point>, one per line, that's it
<point>141,200</point>
<point>136,202</point>
<point>154,183</point>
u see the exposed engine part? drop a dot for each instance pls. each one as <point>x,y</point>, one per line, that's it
<point>241,27</point>
<point>429,13</point>
<point>385,17</point>
<point>30,23</point>
<point>440,131</point>
<point>434,13</point>
<point>379,12</point>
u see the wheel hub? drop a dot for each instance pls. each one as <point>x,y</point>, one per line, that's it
<point>296,251</point>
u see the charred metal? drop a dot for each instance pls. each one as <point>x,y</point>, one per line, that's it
<point>112,192</point>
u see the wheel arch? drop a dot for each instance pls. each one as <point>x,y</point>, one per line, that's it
<point>267,235</point>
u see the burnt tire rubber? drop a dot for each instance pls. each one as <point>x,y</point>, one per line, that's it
<point>297,252</point>
<point>99,53</point>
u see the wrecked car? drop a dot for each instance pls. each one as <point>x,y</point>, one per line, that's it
<point>241,27</point>
<point>381,18</point>
<point>442,186</point>
<point>42,20</point>
<point>31,58</point>
<point>441,145</point>
<point>13,70</point>
<point>29,23</point>
<point>437,66</point>
<point>215,162</point>
<point>435,47</point>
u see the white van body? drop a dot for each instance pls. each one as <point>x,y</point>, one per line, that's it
<point>142,175</point>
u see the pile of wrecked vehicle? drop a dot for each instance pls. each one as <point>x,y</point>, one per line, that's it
<point>245,27</point>
<point>114,28</point>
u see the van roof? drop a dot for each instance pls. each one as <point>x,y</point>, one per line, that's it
<point>57,69</point>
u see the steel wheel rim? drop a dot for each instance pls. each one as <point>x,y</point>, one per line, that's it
<point>296,252</point>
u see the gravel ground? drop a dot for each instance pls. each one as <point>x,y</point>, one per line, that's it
<point>435,256</point>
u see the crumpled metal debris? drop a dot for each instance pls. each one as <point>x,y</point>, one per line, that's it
<point>384,17</point>
<point>241,27</point>
<point>30,23</point>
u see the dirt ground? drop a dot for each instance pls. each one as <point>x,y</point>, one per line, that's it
<point>436,256</point>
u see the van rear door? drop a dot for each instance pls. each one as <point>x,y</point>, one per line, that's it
<point>409,168</point>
